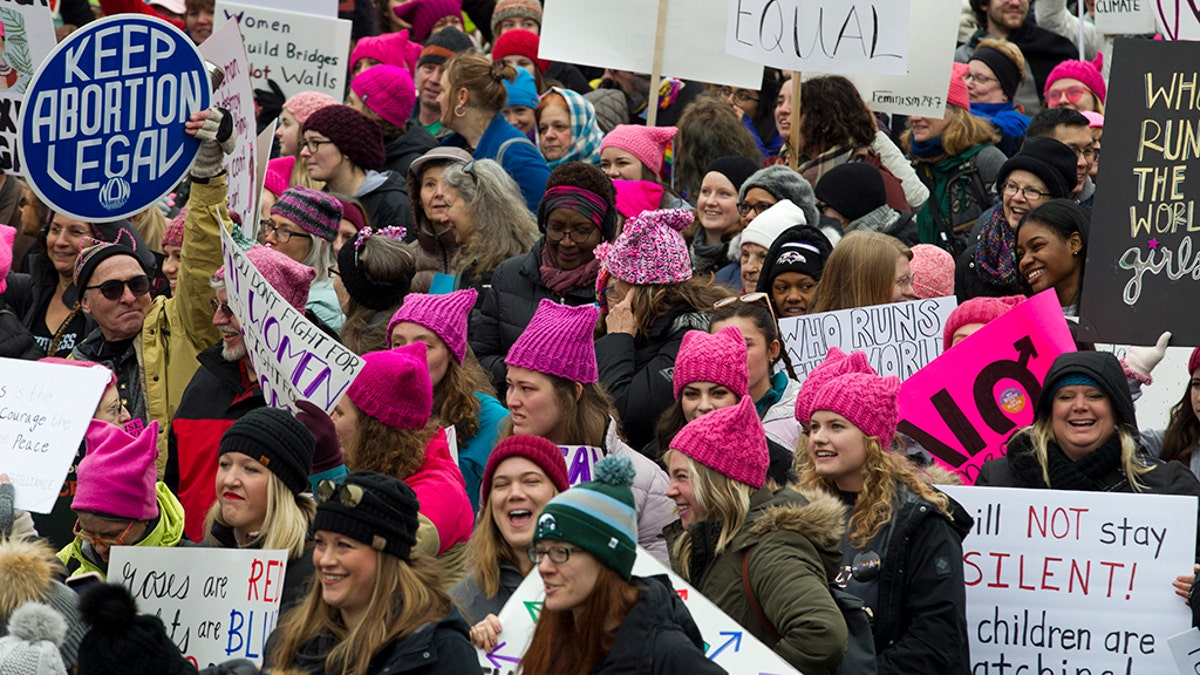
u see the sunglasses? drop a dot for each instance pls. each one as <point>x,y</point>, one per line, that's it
<point>1072,94</point>
<point>97,540</point>
<point>113,289</point>
<point>750,298</point>
<point>222,307</point>
<point>349,495</point>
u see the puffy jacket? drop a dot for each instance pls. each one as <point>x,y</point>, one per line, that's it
<point>413,142</point>
<point>521,159</point>
<point>80,558</point>
<point>780,419</point>
<point>442,493</point>
<point>792,539</point>
<point>384,196</point>
<point>502,315</point>
<point>654,509</point>
<point>469,597</point>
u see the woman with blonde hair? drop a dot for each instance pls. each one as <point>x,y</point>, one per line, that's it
<point>380,607</point>
<point>866,268</point>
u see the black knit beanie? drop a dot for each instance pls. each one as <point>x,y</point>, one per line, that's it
<point>853,189</point>
<point>801,248</point>
<point>278,441</point>
<point>356,136</point>
<point>384,517</point>
<point>123,642</point>
<point>1007,73</point>
<point>368,292</point>
<point>734,167</point>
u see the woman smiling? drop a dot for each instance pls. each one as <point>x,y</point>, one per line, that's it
<point>1052,250</point>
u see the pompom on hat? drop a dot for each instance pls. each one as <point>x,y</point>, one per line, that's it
<point>718,357</point>
<point>977,310</point>
<point>1087,72</point>
<point>118,475</point>
<point>387,91</point>
<point>548,457</point>
<point>394,387</point>
<point>559,341</point>
<point>598,516</point>
<point>445,315</point>
<point>866,400</point>
<point>730,441</point>
<point>650,250</point>
<point>35,632</point>
<point>648,144</point>
<point>836,364</point>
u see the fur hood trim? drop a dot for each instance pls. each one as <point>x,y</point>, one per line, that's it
<point>29,567</point>
<point>822,519</point>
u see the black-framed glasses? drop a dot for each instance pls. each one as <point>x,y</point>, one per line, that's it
<point>743,96</point>
<point>1031,194</point>
<point>282,235</point>
<point>113,289</point>
<point>349,495</point>
<point>222,308</point>
<point>577,236</point>
<point>469,169</point>
<point>557,554</point>
<point>745,208</point>
<point>314,144</point>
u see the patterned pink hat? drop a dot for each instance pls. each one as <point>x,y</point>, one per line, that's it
<point>289,278</point>
<point>559,341</point>
<point>836,363</point>
<point>648,144</point>
<point>394,387</point>
<point>719,358</point>
<point>306,103</point>
<point>730,441</point>
<point>173,235</point>
<point>393,49</point>
<point>933,271</point>
<point>445,315</point>
<point>117,477</point>
<point>867,400</point>
<point>650,250</point>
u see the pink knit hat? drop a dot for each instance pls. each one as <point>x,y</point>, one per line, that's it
<point>650,250</point>
<point>836,364</point>
<point>559,341</point>
<point>117,476</point>
<point>279,175</point>
<point>933,271</point>
<point>958,95</point>
<point>173,235</point>
<point>7,236</point>
<point>306,103</point>
<point>867,400</point>
<point>719,358</point>
<point>291,279</point>
<point>730,441</point>
<point>648,144</point>
<point>423,14</point>
<point>387,91</point>
<point>977,310</point>
<point>393,49</point>
<point>1087,72</point>
<point>635,197</point>
<point>519,42</point>
<point>445,315</point>
<point>1095,119</point>
<point>394,387</point>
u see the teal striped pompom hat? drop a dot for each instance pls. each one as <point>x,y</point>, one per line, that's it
<point>597,516</point>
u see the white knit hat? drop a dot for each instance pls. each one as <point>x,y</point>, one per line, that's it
<point>31,647</point>
<point>769,224</point>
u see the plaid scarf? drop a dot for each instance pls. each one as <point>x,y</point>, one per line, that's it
<point>996,253</point>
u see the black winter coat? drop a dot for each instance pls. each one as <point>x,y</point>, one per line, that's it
<point>16,342</point>
<point>403,149</point>
<point>29,295</point>
<point>296,578</point>
<point>387,204</point>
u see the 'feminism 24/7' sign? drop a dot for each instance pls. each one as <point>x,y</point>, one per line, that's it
<point>102,130</point>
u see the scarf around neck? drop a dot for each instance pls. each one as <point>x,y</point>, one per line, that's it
<point>561,281</point>
<point>1089,473</point>
<point>996,254</point>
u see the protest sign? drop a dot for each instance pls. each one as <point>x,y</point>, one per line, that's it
<point>216,605</point>
<point>1116,17</point>
<point>1074,582</point>
<point>224,48</point>
<point>45,409</point>
<point>26,38</point>
<point>102,131</point>
<point>828,36</point>
<point>298,52</point>
<point>266,141</point>
<point>326,8</point>
<point>1143,259</point>
<point>621,33</point>
<point>727,644</point>
<point>293,358</point>
<point>1171,381</point>
<point>1185,647</point>
<point>963,406</point>
<point>1177,20</point>
<point>899,339</point>
<point>580,460</point>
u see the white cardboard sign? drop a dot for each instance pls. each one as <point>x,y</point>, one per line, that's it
<point>45,409</point>
<point>224,48</point>
<point>28,40</point>
<point>1117,17</point>
<point>262,158</point>
<point>325,8</point>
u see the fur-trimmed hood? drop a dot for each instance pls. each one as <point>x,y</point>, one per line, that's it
<point>31,572</point>
<point>816,515</point>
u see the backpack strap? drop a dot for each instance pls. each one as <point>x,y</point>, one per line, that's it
<point>753,599</point>
<point>505,144</point>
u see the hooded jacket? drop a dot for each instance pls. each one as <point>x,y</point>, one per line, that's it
<point>384,196</point>
<point>30,574</point>
<point>401,150</point>
<point>80,558</point>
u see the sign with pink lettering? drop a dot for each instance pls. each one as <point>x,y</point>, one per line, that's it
<point>965,404</point>
<point>1074,582</point>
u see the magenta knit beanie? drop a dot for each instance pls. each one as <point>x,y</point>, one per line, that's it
<point>548,457</point>
<point>391,49</point>
<point>559,341</point>
<point>445,315</point>
<point>519,42</point>
<point>650,250</point>
<point>719,358</point>
<point>730,441</point>
<point>306,103</point>
<point>311,210</point>
<point>933,271</point>
<point>394,387</point>
<point>7,236</point>
<point>635,197</point>
<point>289,278</point>
<point>423,14</point>
<point>836,364</point>
<point>279,175</point>
<point>387,91</point>
<point>866,400</point>
<point>173,235</point>
<point>1194,360</point>
<point>977,310</point>
<point>1087,72</point>
<point>958,95</point>
<point>117,476</point>
<point>648,144</point>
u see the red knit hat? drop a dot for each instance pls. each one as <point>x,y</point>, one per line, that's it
<point>394,387</point>
<point>958,96</point>
<point>867,400</point>
<point>393,49</point>
<point>558,341</point>
<point>519,42</point>
<point>730,441</point>
<point>648,144</point>
<point>445,315</point>
<point>548,457</point>
<point>387,91</point>
<point>719,358</point>
<point>1087,72</point>
<point>118,475</point>
<point>977,310</point>
<point>836,363</point>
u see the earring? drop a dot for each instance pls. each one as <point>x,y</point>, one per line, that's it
<point>1075,253</point>
<point>460,110</point>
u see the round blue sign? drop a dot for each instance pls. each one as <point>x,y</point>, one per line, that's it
<point>102,126</point>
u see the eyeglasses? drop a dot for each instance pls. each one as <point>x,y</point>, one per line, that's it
<point>744,96</point>
<point>1028,193</point>
<point>97,540</point>
<point>557,554</point>
<point>314,144</point>
<point>745,208</point>
<point>905,281</point>
<point>577,236</point>
<point>113,289</point>
<point>1072,94</point>
<point>1089,153</point>
<point>282,235</point>
<point>333,271</point>
<point>221,307</point>
<point>72,231</point>
<point>349,495</point>
<point>981,79</point>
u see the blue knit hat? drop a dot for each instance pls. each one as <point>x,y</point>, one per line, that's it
<point>598,516</point>
<point>522,90</point>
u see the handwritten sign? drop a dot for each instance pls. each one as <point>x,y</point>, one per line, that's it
<point>299,52</point>
<point>963,406</point>
<point>45,409</point>
<point>1074,581</point>
<point>580,460</point>
<point>216,605</point>
<point>1144,252</point>
<point>620,35</point>
<point>102,129</point>
<point>327,8</point>
<point>899,339</point>
<point>293,358</point>
<point>828,36</point>
<point>726,643</point>
<point>1177,20</point>
<point>1115,17</point>
<point>26,40</point>
<point>224,48</point>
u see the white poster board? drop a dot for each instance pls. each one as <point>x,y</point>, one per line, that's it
<point>325,8</point>
<point>224,48</point>
<point>1120,17</point>
<point>298,52</point>
<point>263,147</point>
<point>1064,581</point>
<point>899,338</point>
<point>45,409</point>
<point>580,460</point>
<point>216,604</point>
<point>728,644</point>
<point>1171,380</point>
<point>28,40</point>
<point>1177,19</point>
<point>293,358</point>
<point>620,35</point>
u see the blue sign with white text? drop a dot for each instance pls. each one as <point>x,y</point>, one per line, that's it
<point>102,128</point>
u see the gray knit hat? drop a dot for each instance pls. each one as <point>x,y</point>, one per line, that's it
<point>31,646</point>
<point>783,183</point>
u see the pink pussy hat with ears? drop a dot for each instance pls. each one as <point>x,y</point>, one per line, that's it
<point>394,387</point>
<point>836,364</point>
<point>559,341</point>
<point>648,144</point>
<point>445,315</point>
<point>730,441</point>
<point>635,197</point>
<point>289,278</point>
<point>977,310</point>
<point>867,400</point>
<point>117,477</point>
<point>7,236</point>
<point>650,250</point>
<point>718,357</point>
<point>958,96</point>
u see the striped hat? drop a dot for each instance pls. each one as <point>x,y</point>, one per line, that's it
<point>598,516</point>
<point>311,210</point>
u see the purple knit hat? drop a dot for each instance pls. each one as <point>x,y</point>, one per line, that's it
<point>648,144</point>
<point>313,211</point>
<point>650,250</point>
<point>355,135</point>
<point>423,14</point>
<point>977,310</point>
<point>730,441</point>
<point>306,103</point>
<point>117,477</point>
<point>836,364</point>
<point>867,400</point>
<point>387,91</point>
<point>1087,72</point>
<point>279,175</point>
<point>445,315</point>
<point>394,387</point>
<point>719,358</point>
<point>392,49</point>
<point>558,341</point>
